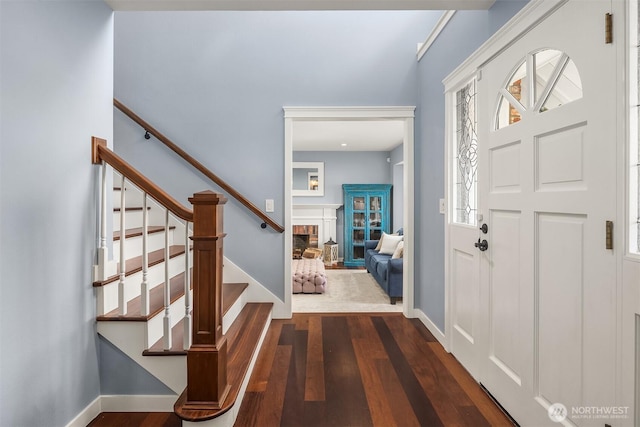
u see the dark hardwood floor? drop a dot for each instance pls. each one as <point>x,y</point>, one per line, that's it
<point>361,370</point>
<point>352,370</point>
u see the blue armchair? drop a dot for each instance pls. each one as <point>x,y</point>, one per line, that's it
<point>386,271</point>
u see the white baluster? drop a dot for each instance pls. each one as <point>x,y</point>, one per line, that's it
<point>144,286</point>
<point>187,290</point>
<point>102,249</point>
<point>167,287</point>
<point>122,301</point>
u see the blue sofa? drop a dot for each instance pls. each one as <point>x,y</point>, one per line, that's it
<point>386,271</point>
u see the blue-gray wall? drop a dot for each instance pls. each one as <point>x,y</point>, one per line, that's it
<point>216,83</point>
<point>466,31</point>
<point>55,93</point>
<point>344,167</point>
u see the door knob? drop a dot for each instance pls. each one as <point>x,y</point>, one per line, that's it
<point>484,228</point>
<point>482,245</point>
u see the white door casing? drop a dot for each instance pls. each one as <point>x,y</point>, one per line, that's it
<point>546,188</point>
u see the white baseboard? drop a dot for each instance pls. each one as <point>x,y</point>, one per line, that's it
<point>435,331</point>
<point>87,414</point>
<point>124,403</point>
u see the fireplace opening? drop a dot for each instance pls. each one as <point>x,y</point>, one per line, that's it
<point>304,236</point>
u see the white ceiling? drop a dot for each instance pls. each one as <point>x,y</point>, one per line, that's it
<point>358,135</point>
<point>299,4</point>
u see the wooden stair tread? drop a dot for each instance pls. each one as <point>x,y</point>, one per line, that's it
<point>242,342</point>
<point>230,293</point>
<point>134,265</point>
<point>137,232</point>
<point>156,302</point>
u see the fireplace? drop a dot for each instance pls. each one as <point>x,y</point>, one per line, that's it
<point>304,236</point>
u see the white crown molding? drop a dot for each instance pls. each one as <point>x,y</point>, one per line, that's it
<point>165,5</point>
<point>348,112</point>
<point>524,21</point>
<point>437,29</point>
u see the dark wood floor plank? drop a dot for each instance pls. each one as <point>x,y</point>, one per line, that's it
<point>293,409</point>
<point>136,419</point>
<point>264,364</point>
<point>314,383</point>
<point>422,406</point>
<point>478,397</point>
<point>443,391</point>
<point>379,402</point>
<point>362,329</point>
<point>345,394</point>
<point>401,409</point>
<point>273,400</point>
<point>250,410</point>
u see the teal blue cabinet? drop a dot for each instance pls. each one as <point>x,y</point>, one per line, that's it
<point>366,216</point>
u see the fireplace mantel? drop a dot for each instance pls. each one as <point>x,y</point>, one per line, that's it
<point>322,215</point>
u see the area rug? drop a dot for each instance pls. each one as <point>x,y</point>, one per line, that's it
<point>346,291</point>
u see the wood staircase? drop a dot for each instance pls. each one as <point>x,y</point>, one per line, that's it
<point>143,336</point>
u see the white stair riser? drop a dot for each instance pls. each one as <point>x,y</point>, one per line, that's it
<point>133,197</point>
<point>133,218</point>
<point>129,337</point>
<point>133,245</point>
<point>155,328</point>
<point>108,294</point>
<point>233,312</point>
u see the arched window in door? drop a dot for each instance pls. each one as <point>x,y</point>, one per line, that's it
<point>542,81</point>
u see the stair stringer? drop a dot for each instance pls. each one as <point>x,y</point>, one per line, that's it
<point>129,337</point>
<point>256,292</point>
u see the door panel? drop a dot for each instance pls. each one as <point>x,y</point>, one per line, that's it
<point>505,341</point>
<point>559,285</point>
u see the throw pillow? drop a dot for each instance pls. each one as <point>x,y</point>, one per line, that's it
<point>379,245</point>
<point>389,244</point>
<point>399,251</point>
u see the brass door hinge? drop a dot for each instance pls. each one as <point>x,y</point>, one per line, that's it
<point>608,28</point>
<point>609,235</point>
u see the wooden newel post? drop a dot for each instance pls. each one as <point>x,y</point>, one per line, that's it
<point>207,385</point>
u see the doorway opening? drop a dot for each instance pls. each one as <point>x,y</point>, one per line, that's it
<point>348,146</point>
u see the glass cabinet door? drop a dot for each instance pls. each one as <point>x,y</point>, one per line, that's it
<point>366,218</point>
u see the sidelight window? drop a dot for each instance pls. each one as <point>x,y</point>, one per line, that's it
<point>466,158</point>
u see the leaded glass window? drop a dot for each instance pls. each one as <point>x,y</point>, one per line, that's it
<point>466,158</point>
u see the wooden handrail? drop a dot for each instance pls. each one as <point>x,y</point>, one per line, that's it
<point>199,166</point>
<point>100,152</point>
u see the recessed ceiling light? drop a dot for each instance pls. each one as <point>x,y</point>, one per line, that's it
<point>344,144</point>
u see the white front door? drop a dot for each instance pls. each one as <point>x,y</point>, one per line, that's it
<point>547,150</point>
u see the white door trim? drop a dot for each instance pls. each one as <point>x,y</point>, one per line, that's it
<point>404,113</point>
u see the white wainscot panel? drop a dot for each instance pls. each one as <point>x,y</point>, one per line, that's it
<point>505,344</point>
<point>465,294</point>
<point>559,292</point>
<point>560,160</point>
<point>505,168</point>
